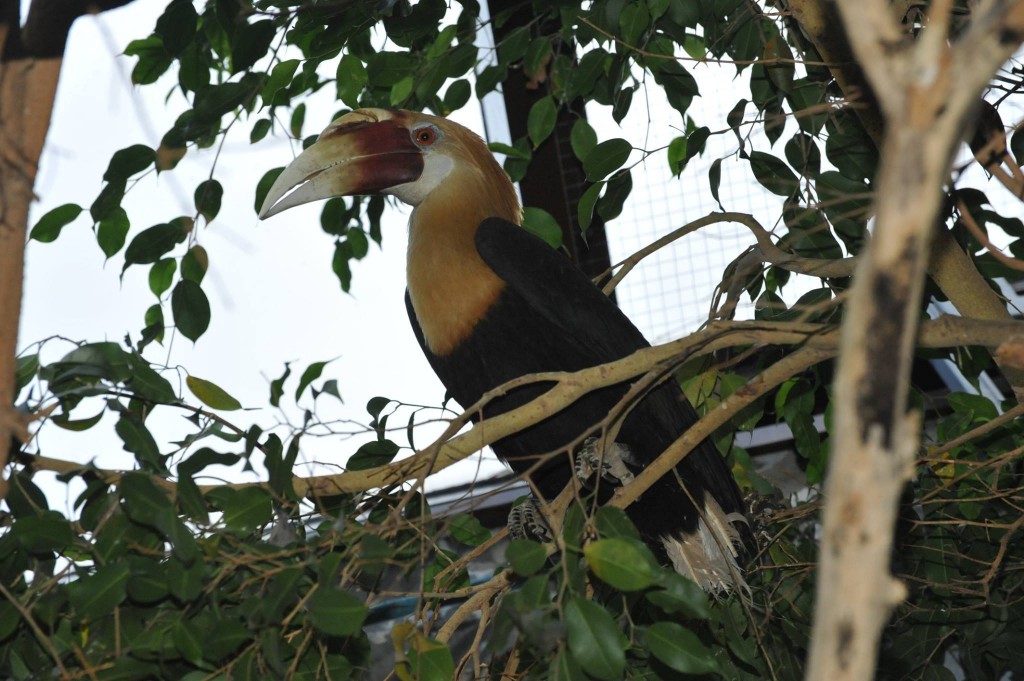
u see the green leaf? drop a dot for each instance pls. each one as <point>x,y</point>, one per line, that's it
<point>585,209</point>
<point>618,189</point>
<point>977,408</point>
<point>146,383</point>
<point>677,156</point>
<point>188,641</point>
<point>139,441</point>
<point>594,640</point>
<point>457,94</point>
<point>161,274</point>
<point>260,130</point>
<point>384,69</point>
<point>177,26</point>
<point>588,73</point>
<point>154,59</point>
<point>540,222</point>
<point>224,637</point>
<point>277,386</point>
<point>336,613</point>
<point>715,180</point>
<point>311,373</point>
<point>108,201</point>
<point>514,46</point>
<point>49,226</point>
<point>606,158</point>
<point>191,309</point>
<point>143,501</point>
<point>280,77</point>
<point>112,231</point>
<point>247,509</point>
<point>373,454</point>
<point>264,185</point>
<point>250,43</point>
<point>680,649</point>
<point>401,91</point>
<point>44,533</point>
<point>185,581</point>
<point>773,174</point>
<point>614,522</point>
<point>211,394</point>
<point>213,102</point>
<point>352,78</point>
<point>194,264</point>
<point>297,119</point>
<point>526,557</point>
<point>151,244</point>
<point>28,366</point>
<point>375,405</point>
<point>508,150</point>
<point>431,660</point>
<point>679,594</point>
<point>565,668</point>
<point>442,43</point>
<point>541,121</point>
<point>129,161</point>
<point>537,56</point>
<point>633,21</point>
<point>622,563</point>
<point>207,199</point>
<point>94,596</point>
<point>582,138</point>
<point>465,528</point>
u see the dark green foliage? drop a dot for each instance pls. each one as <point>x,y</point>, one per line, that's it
<point>153,574</point>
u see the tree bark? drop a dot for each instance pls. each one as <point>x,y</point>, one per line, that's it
<point>927,91</point>
<point>29,69</point>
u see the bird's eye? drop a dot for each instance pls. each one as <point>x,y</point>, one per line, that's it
<point>425,136</point>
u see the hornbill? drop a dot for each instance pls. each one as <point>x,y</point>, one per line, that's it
<point>489,302</point>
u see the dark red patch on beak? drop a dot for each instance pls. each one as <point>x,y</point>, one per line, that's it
<point>384,153</point>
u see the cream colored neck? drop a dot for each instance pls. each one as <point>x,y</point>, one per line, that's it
<point>450,285</point>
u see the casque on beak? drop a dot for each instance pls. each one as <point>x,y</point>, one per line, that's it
<point>366,151</point>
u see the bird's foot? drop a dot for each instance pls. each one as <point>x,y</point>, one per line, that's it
<point>526,521</point>
<point>762,509</point>
<point>610,464</point>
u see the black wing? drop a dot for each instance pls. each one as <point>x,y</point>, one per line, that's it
<point>555,288</point>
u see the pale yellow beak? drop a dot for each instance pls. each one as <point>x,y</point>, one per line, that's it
<point>364,152</point>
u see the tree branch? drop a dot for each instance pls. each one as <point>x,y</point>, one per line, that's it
<point>928,91</point>
<point>944,332</point>
<point>815,267</point>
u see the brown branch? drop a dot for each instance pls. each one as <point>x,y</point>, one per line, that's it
<point>497,584</point>
<point>944,332</point>
<point>792,364</point>
<point>815,267</point>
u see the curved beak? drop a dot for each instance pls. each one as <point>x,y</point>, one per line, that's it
<point>360,153</point>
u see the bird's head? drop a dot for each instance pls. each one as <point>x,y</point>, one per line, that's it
<point>415,157</point>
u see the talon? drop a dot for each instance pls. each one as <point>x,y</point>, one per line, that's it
<point>526,521</point>
<point>611,466</point>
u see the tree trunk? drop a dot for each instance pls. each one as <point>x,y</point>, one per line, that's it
<point>928,91</point>
<point>30,60</point>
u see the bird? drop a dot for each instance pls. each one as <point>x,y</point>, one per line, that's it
<point>490,302</point>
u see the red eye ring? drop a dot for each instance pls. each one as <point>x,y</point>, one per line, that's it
<point>425,136</point>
